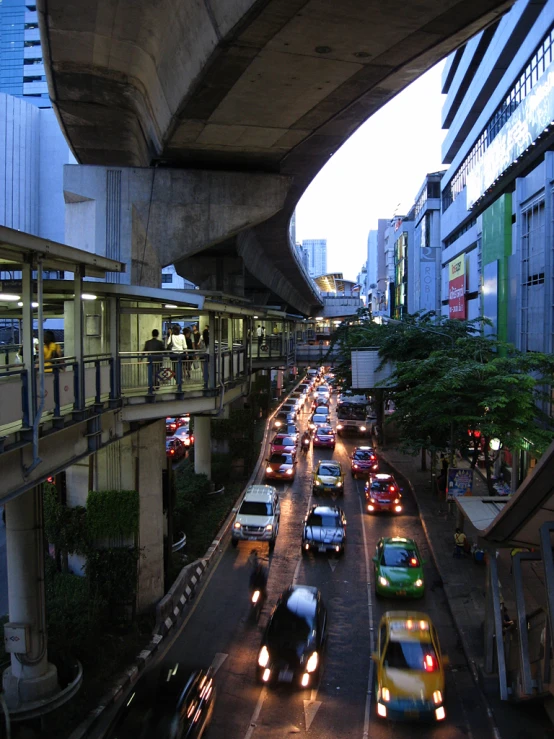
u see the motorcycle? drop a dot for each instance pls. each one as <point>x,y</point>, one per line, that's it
<point>305,445</point>
<point>257,598</point>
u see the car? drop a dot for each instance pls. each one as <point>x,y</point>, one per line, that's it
<point>324,530</point>
<point>319,419</point>
<point>328,477</point>
<point>280,467</point>
<point>185,435</point>
<point>363,461</point>
<point>257,518</point>
<point>291,430</point>
<point>283,444</point>
<point>304,388</point>
<point>172,424</point>
<point>321,410</point>
<point>409,668</point>
<point>383,494</point>
<point>324,436</point>
<point>299,398</point>
<point>289,408</point>
<point>294,638</point>
<point>398,568</point>
<point>174,448</point>
<point>167,702</point>
<point>282,418</point>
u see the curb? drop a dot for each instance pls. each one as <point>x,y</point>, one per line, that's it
<point>459,629</point>
<point>169,609</point>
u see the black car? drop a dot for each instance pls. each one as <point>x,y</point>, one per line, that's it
<point>294,638</point>
<point>324,530</point>
<point>283,419</point>
<point>168,702</point>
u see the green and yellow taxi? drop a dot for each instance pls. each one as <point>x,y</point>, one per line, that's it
<point>328,478</point>
<point>398,568</point>
<point>409,668</point>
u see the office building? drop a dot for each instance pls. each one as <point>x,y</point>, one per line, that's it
<point>21,67</point>
<point>496,223</point>
<point>316,254</point>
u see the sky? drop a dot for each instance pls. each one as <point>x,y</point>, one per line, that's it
<point>376,174</point>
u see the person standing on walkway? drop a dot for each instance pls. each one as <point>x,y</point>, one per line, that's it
<point>52,351</point>
<point>196,336</point>
<point>154,345</point>
<point>260,335</point>
<point>459,540</point>
<point>206,336</point>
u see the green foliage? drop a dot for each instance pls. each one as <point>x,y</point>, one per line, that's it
<point>112,578</point>
<point>65,528</point>
<point>113,514</point>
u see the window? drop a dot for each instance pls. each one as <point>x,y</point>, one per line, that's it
<point>167,279</point>
<point>532,277</point>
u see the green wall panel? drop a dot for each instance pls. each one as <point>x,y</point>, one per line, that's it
<point>497,245</point>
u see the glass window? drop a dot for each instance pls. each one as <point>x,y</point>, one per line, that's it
<point>255,508</point>
<point>411,655</point>
<point>398,557</point>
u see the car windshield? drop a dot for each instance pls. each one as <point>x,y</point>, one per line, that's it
<point>322,409</point>
<point>399,557</point>
<point>289,629</point>
<point>363,454</point>
<point>329,469</point>
<point>280,459</point>
<point>284,441</point>
<point>411,655</point>
<point>383,486</point>
<point>255,508</point>
<point>292,430</point>
<point>324,431</point>
<point>327,520</point>
<point>320,418</point>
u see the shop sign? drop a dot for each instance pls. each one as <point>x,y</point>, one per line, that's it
<point>456,288</point>
<point>460,482</point>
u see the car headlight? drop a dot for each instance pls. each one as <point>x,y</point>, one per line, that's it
<point>263,657</point>
<point>383,581</point>
<point>269,527</point>
<point>278,423</point>
<point>268,470</point>
<point>339,484</point>
<point>339,426</point>
<point>237,525</point>
<point>317,482</point>
<point>397,500</point>
<point>385,694</point>
<point>440,713</point>
<point>363,428</point>
<point>419,582</point>
<point>289,471</point>
<point>311,665</point>
<point>355,466</point>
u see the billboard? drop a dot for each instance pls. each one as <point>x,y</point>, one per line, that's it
<point>459,482</point>
<point>457,288</point>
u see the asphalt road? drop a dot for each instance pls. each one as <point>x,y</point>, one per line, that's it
<point>3,568</point>
<point>216,630</point>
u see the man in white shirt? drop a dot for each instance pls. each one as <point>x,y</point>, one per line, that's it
<point>260,334</point>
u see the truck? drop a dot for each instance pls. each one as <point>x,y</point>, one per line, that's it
<point>355,415</point>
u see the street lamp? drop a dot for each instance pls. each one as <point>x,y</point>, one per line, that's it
<point>495,444</point>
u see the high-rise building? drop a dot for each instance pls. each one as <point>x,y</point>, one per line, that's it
<point>21,65</point>
<point>316,253</point>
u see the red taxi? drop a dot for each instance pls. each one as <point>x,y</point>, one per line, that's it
<point>363,461</point>
<point>383,494</point>
<point>283,444</point>
<point>324,437</point>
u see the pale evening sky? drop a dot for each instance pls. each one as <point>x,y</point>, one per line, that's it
<point>376,173</point>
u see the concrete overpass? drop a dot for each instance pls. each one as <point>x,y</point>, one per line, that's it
<point>248,99</point>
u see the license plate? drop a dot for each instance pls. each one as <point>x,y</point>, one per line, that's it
<point>285,676</point>
<point>327,490</point>
<point>411,714</point>
<point>400,592</point>
<point>322,549</point>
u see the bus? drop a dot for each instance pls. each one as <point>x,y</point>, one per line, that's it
<point>355,415</point>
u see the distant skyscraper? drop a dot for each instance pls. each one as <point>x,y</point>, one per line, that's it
<point>316,253</point>
<point>292,228</point>
<point>21,65</point>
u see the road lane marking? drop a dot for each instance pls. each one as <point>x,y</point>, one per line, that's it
<point>311,707</point>
<point>371,635</point>
<point>256,714</point>
<point>333,563</point>
<point>296,572</point>
<point>218,660</point>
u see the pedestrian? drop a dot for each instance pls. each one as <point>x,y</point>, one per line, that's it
<point>206,336</point>
<point>260,335</point>
<point>51,349</point>
<point>196,336</point>
<point>460,541</point>
<point>155,345</point>
<point>176,342</point>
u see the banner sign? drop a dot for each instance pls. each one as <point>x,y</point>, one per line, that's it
<point>460,482</point>
<point>456,288</point>
<point>524,126</point>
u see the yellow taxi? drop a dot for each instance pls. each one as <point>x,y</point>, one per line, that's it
<point>328,478</point>
<point>409,668</point>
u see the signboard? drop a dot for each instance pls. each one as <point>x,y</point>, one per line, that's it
<point>460,482</point>
<point>523,127</point>
<point>457,288</point>
<point>364,369</point>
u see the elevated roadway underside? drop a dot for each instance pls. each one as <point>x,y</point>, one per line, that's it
<point>266,86</point>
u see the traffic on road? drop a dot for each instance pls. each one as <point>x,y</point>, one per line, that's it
<point>352,636</point>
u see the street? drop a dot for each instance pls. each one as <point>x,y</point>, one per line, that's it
<point>3,569</point>
<point>216,630</point>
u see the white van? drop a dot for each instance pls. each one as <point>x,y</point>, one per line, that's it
<point>257,518</point>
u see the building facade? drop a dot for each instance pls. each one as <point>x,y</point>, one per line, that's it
<point>21,66</point>
<point>316,255</point>
<point>497,209</point>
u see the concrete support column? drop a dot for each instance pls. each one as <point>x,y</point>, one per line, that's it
<point>30,676</point>
<point>202,446</point>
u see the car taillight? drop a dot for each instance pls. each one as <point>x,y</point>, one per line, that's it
<point>392,488</point>
<point>429,663</point>
<point>413,562</point>
<point>172,451</point>
<point>355,466</point>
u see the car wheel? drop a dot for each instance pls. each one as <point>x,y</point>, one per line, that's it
<point>272,545</point>
<point>235,543</point>
<point>304,551</point>
<point>353,476</point>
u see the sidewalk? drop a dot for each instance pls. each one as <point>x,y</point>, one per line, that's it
<point>463,579</point>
